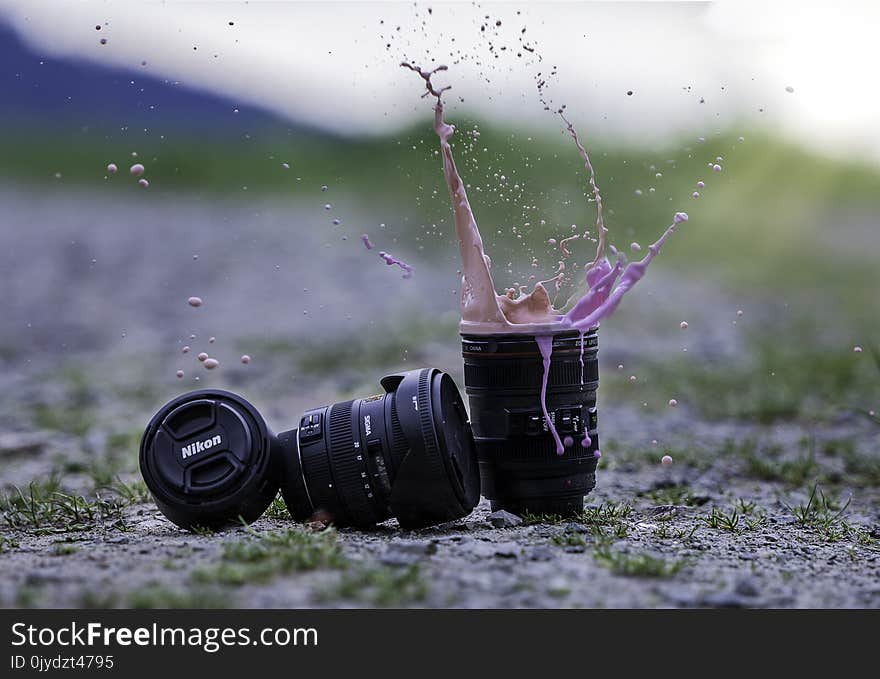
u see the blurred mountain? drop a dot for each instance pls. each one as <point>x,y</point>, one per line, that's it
<point>39,89</point>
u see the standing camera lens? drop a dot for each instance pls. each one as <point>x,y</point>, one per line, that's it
<point>207,459</point>
<point>519,466</point>
<point>407,453</point>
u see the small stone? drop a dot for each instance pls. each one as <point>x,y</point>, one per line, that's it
<point>503,519</point>
<point>22,443</point>
<point>746,587</point>
<point>507,550</point>
<point>407,552</point>
<point>541,553</point>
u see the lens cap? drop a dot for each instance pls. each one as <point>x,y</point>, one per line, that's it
<point>206,458</point>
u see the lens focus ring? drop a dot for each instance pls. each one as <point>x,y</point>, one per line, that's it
<point>348,470</point>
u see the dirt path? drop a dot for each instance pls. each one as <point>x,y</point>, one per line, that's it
<point>95,315</point>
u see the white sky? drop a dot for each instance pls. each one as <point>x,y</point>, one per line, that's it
<point>326,63</point>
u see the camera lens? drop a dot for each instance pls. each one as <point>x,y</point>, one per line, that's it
<point>519,466</point>
<point>407,453</point>
<point>207,459</point>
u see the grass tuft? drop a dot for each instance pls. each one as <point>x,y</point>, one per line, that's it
<point>262,557</point>
<point>637,564</point>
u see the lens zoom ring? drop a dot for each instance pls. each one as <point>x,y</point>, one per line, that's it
<point>528,374</point>
<point>346,468</point>
<point>399,444</point>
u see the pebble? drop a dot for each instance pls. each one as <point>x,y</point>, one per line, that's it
<point>541,553</point>
<point>503,519</point>
<point>507,550</point>
<point>412,547</point>
<point>22,443</point>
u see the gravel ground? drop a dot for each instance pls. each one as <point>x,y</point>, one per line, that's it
<point>95,315</point>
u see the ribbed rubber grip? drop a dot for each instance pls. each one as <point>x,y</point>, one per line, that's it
<point>346,467</point>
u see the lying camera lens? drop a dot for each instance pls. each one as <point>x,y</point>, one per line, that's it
<point>207,459</point>
<point>519,467</point>
<point>407,453</point>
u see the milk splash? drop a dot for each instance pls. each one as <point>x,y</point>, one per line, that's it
<point>483,311</point>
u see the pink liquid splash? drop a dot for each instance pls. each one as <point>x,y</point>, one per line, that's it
<point>483,311</point>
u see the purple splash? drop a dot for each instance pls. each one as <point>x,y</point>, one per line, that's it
<point>391,261</point>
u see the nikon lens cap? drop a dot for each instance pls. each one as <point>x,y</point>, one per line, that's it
<point>207,459</point>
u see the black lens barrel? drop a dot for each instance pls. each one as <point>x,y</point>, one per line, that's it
<point>408,453</point>
<point>519,465</point>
